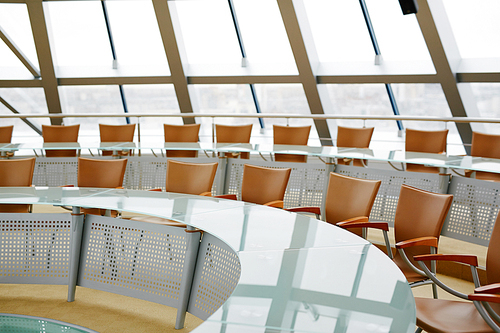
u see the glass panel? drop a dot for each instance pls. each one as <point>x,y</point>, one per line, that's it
<point>263,32</point>
<point>207,31</point>
<point>227,99</point>
<point>24,100</point>
<point>91,99</point>
<point>153,98</point>
<point>78,33</point>
<point>288,99</point>
<point>363,99</point>
<point>488,103</point>
<point>15,23</point>
<point>475,25</point>
<point>427,100</point>
<point>399,36</point>
<point>339,31</point>
<point>136,35</point>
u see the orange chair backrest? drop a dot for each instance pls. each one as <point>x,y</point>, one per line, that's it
<point>190,178</point>
<point>485,145</point>
<point>181,133</point>
<point>351,137</point>
<point>287,135</point>
<point>6,133</point>
<point>493,256</point>
<point>349,197</point>
<point>58,133</point>
<point>101,173</point>
<point>261,185</point>
<point>426,141</point>
<point>420,213</point>
<point>116,133</point>
<point>234,134</point>
<point>18,173</point>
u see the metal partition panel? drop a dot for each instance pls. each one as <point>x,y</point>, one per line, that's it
<point>55,171</point>
<point>474,210</point>
<point>34,248</point>
<point>217,273</point>
<point>144,173</point>
<point>384,208</point>
<point>137,259</point>
<point>306,186</point>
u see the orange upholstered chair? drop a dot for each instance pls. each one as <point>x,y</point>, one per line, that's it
<point>417,226</point>
<point>485,145</point>
<point>234,134</point>
<point>181,133</point>
<point>351,137</point>
<point>347,199</point>
<point>425,142</point>
<point>187,178</point>
<point>287,135</point>
<point>57,133</point>
<point>101,174</point>
<point>6,133</point>
<point>16,173</point>
<point>475,313</point>
<point>116,133</point>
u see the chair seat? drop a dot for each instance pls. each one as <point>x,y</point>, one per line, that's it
<point>443,316</point>
<point>158,220</point>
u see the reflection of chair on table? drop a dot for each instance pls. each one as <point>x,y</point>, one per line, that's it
<point>351,137</point>
<point>116,133</point>
<point>181,133</point>
<point>263,186</point>
<point>425,142</point>
<point>58,133</point>
<point>16,173</point>
<point>417,226</point>
<point>186,178</point>
<point>102,174</point>
<point>234,134</point>
<point>439,315</point>
<point>485,145</point>
<point>287,135</point>
<point>347,199</point>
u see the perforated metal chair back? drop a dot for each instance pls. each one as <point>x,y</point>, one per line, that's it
<point>58,133</point>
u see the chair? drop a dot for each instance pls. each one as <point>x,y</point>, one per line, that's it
<point>439,315</point>
<point>16,173</point>
<point>6,133</point>
<point>417,226</point>
<point>485,145</point>
<point>58,133</point>
<point>425,142</point>
<point>181,133</point>
<point>234,134</point>
<point>287,135</point>
<point>350,137</point>
<point>101,174</point>
<point>187,178</point>
<point>116,133</point>
<point>347,199</point>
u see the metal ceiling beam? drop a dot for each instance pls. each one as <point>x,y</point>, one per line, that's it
<point>444,52</point>
<point>42,45</point>
<point>35,127</point>
<point>174,50</point>
<point>304,51</point>
<point>19,54</point>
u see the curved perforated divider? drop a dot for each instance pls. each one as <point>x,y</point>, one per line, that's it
<point>217,274</point>
<point>34,248</point>
<point>384,208</point>
<point>55,171</point>
<point>473,211</point>
<point>306,186</point>
<point>144,173</point>
<point>131,258</point>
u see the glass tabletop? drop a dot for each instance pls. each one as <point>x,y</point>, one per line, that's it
<point>298,273</point>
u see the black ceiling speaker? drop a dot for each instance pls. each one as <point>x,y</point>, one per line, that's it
<point>409,6</point>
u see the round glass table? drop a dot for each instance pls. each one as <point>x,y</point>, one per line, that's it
<point>12,323</point>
